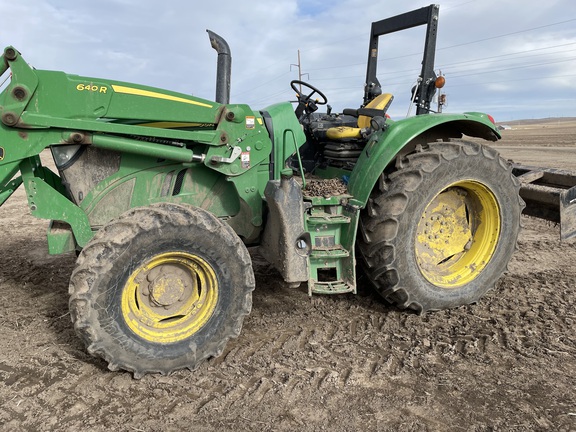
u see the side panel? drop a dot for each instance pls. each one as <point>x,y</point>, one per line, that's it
<point>384,146</point>
<point>106,189</point>
<point>287,133</point>
<point>127,181</point>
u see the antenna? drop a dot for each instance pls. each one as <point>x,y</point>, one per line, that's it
<point>300,74</point>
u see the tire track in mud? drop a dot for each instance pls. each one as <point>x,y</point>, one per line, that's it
<point>297,362</point>
<point>358,349</point>
<point>361,342</point>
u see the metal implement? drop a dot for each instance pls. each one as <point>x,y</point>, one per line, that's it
<point>550,194</point>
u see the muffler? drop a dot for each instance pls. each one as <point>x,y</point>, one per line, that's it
<point>224,68</point>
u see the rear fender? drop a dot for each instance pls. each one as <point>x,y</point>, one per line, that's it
<point>402,136</point>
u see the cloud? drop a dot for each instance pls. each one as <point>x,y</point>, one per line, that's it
<point>510,53</point>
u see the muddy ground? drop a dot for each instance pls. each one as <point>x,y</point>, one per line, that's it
<point>336,364</point>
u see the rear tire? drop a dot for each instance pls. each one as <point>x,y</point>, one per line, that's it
<point>161,288</point>
<point>440,229</point>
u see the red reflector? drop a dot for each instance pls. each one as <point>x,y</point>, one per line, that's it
<point>491,119</point>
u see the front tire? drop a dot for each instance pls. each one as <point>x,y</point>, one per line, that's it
<point>440,229</point>
<point>161,288</point>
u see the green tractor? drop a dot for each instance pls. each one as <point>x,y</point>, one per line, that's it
<point>160,193</point>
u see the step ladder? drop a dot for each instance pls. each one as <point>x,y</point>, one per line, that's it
<point>331,224</point>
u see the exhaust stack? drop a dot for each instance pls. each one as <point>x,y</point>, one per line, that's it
<point>224,68</point>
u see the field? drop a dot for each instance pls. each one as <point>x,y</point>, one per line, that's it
<point>334,363</point>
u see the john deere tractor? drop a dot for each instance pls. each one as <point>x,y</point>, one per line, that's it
<point>160,193</point>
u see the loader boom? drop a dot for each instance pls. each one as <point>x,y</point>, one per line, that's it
<point>155,127</point>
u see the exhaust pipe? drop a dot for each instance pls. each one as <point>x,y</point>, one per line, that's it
<point>224,68</point>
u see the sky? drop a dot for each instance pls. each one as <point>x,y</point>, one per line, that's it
<point>514,59</point>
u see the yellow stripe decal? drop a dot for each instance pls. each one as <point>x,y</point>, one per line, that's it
<point>139,92</point>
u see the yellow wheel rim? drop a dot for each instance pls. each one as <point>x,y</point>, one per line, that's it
<point>457,234</point>
<point>170,297</point>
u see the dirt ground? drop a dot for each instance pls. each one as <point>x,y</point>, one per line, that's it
<point>336,363</point>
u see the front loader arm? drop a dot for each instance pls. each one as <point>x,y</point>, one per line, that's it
<point>11,184</point>
<point>22,86</point>
<point>57,99</point>
<point>69,114</point>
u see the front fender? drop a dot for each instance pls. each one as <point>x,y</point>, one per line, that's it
<point>383,147</point>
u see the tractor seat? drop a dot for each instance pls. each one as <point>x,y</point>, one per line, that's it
<point>376,107</point>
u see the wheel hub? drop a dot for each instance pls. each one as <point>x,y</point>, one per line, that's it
<point>444,230</point>
<point>170,297</point>
<point>166,290</point>
<point>166,285</point>
<point>457,234</point>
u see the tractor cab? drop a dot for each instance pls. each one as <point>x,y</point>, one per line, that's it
<point>337,139</point>
<point>351,124</point>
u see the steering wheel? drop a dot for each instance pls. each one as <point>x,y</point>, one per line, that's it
<point>305,99</point>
